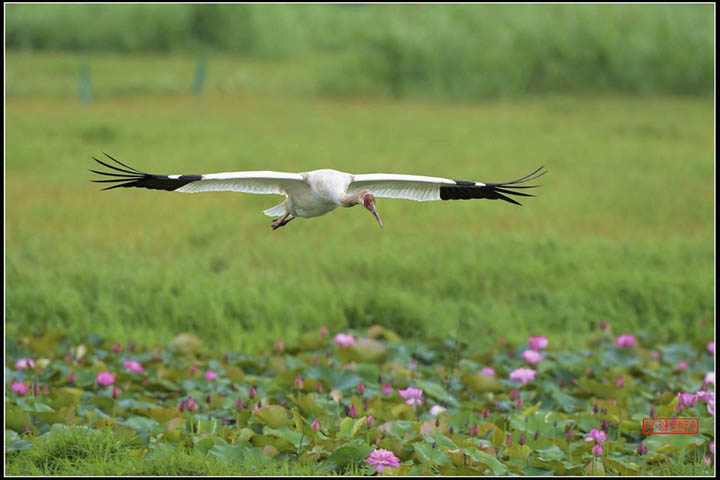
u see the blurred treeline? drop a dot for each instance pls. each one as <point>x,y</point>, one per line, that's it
<point>442,51</point>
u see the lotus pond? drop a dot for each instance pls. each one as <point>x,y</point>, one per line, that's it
<point>368,402</point>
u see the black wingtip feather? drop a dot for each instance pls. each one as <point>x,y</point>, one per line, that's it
<point>492,191</point>
<point>119,162</point>
<point>131,177</point>
<point>128,172</point>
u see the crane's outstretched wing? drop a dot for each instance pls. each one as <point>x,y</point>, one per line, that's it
<point>247,182</point>
<point>423,189</point>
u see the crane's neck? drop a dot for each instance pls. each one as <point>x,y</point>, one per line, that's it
<point>353,199</point>
<point>366,199</point>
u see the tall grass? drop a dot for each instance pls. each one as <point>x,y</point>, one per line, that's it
<point>81,451</point>
<point>441,51</point>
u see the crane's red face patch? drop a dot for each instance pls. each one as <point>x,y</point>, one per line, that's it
<point>369,201</point>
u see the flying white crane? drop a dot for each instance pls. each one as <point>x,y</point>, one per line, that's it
<point>311,194</point>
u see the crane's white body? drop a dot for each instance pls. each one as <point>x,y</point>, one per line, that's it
<point>315,193</point>
<point>322,193</point>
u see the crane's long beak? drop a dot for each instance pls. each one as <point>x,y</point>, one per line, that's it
<point>375,212</point>
<point>368,201</point>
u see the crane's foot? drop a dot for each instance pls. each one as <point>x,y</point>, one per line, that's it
<point>281,222</point>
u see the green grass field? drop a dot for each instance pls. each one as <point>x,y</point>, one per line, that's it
<point>622,227</point>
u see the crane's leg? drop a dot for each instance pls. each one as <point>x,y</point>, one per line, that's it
<point>281,221</point>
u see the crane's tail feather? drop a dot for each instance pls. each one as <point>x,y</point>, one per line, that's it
<point>276,211</point>
<point>492,191</point>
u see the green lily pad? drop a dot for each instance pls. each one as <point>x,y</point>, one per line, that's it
<point>273,416</point>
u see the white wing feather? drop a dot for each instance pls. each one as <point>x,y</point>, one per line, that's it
<point>411,187</point>
<point>263,182</point>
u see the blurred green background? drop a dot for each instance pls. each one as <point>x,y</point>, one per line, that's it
<point>616,100</point>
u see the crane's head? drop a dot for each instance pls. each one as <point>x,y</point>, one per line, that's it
<point>368,201</point>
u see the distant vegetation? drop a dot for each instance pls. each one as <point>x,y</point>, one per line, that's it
<point>456,52</point>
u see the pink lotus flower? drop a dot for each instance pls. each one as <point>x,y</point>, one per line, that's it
<point>538,343</point>
<point>133,366</point>
<point>117,348</point>
<point>487,371</point>
<point>24,363</point>
<point>239,404</point>
<point>211,375</point>
<point>115,392</point>
<point>710,378</point>
<point>105,379</point>
<point>280,346</point>
<point>711,347</point>
<point>597,450</point>
<point>298,382</point>
<point>626,340</point>
<point>252,392</point>
<point>386,388</point>
<point>705,396</point>
<point>708,460</point>
<point>316,425</point>
<point>655,355</point>
<point>523,375</point>
<point>712,447</point>
<point>19,388</point>
<point>620,382</point>
<point>531,356</point>
<point>642,449</point>
<point>190,404</point>
<point>381,458</point>
<point>436,410</point>
<point>686,400</point>
<point>344,339</point>
<point>323,330</point>
<point>412,395</point>
<point>708,398</point>
<point>681,366</point>
<point>370,421</point>
<point>361,388</point>
<point>596,435</point>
